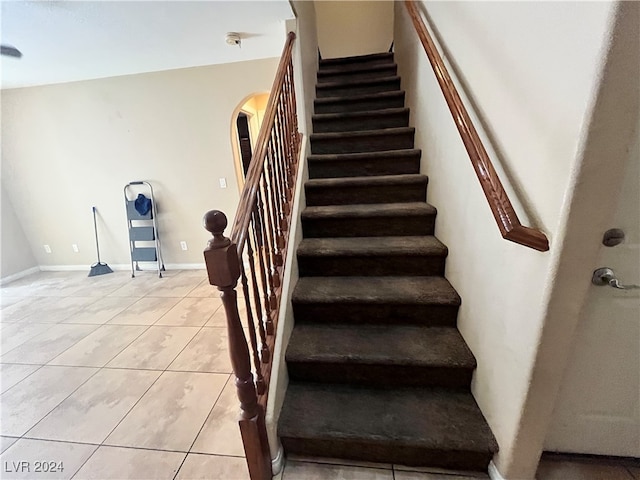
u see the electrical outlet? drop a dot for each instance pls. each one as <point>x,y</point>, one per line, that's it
<point>75,247</point>
<point>47,248</point>
<point>183,245</point>
<point>223,182</point>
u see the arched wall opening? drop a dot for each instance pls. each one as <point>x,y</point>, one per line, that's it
<point>246,122</point>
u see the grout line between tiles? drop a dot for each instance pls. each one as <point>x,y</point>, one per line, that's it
<point>201,427</point>
<point>58,404</point>
<point>148,294</point>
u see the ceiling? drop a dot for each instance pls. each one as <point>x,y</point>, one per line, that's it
<point>65,41</point>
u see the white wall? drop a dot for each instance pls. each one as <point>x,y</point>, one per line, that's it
<point>15,253</point>
<point>70,146</point>
<point>354,28</point>
<point>305,64</point>
<point>531,72</point>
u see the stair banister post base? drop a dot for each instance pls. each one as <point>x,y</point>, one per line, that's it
<point>223,269</point>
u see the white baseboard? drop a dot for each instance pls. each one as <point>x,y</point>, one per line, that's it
<point>277,463</point>
<point>494,474</point>
<point>19,275</point>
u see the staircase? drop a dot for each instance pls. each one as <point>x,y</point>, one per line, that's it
<point>378,370</point>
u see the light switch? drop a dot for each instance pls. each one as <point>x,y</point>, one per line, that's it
<point>223,182</point>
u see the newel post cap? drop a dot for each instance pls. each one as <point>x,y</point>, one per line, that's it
<point>221,255</point>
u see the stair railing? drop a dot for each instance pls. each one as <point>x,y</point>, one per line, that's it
<point>256,253</point>
<point>501,207</point>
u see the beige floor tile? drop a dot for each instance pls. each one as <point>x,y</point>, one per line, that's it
<point>177,286</point>
<point>319,471</point>
<point>11,373</point>
<point>113,463</point>
<point>155,349</point>
<point>94,410</point>
<point>564,470</point>
<point>7,301</point>
<point>29,401</point>
<point>15,334</point>
<point>171,413</point>
<point>30,305</point>
<point>213,467</point>
<point>48,345</point>
<point>191,312</point>
<point>100,346</point>
<point>219,317</point>
<point>204,289</point>
<point>145,311</point>
<point>62,459</point>
<point>102,285</point>
<point>207,352</point>
<point>6,442</point>
<point>404,475</point>
<point>441,471</point>
<point>138,287</point>
<point>59,310</point>
<point>221,433</point>
<point>338,461</point>
<point>101,311</point>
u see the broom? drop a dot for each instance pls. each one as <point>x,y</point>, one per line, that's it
<point>98,268</point>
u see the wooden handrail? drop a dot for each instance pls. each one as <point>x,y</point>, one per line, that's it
<point>255,255</point>
<point>501,207</point>
<point>256,168</point>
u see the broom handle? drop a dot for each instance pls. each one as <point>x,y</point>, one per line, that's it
<point>95,228</point>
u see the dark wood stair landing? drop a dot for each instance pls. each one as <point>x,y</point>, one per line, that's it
<point>378,370</point>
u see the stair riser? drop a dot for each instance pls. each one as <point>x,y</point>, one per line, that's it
<point>367,227</point>
<point>384,376</point>
<point>399,119</point>
<point>359,144</point>
<point>354,64</point>
<point>348,266</point>
<point>356,89</point>
<point>355,75</point>
<point>375,313</point>
<point>363,168</point>
<point>413,192</point>
<point>397,453</point>
<point>360,105</point>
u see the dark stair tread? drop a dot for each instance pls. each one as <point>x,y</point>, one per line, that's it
<point>383,56</point>
<point>369,210</point>
<point>427,418</point>
<point>359,115</point>
<point>359,97</point>
<point>356,83</point>
<point>362,133</point>
<point>371,164</point>
<point>369,181</point>
<point>357,73</point>
<point>372,246</point>
<point>400,345</point>
<point>364,156</point>
<point>375,290</point>
<point>357,68</point>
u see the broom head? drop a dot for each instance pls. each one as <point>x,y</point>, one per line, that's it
<point>99,269</point>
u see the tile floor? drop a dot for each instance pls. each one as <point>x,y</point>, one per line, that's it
<point>113,378</point>
<point>117,378</point>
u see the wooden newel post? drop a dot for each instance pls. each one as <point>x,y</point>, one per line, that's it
<point>223,268</point>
